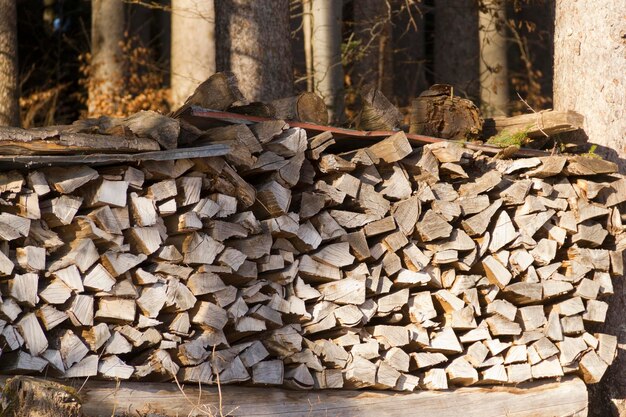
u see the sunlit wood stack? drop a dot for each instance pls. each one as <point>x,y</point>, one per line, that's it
<point>286,263</point>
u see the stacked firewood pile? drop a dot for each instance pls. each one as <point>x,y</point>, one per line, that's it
<point>284,262</point>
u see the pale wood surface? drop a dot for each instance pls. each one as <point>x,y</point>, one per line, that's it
<point>565,398</point>
<point>535,124</point>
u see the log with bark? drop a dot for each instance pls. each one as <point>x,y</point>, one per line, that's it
<point>438,112</point>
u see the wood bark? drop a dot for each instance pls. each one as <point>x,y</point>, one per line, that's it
<point>193,47</point>
<point>9,70</point>
<point>254,43</point>
<point>106,79</point>
<point>327,66</point>
<point>456,54</point>
<point>25,396</point>
<point>494,80</point>
<point>591,35</point>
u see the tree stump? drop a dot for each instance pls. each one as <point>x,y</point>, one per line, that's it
<point>436,112</point>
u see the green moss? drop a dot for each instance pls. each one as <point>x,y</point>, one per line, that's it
<point>505,138</point>
<point>592,153</point>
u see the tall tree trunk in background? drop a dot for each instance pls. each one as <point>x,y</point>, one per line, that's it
<point>9,83</point>
<point>307,30</point>
<point>254,43</point>
<point>140,23</point>
<point>589,77</point>
<point>457,54</point>
<point>409,50</point>
<point>494,79</point>
<point>327,65</point>
<point>372,20</point>
<point>106,80</point>
<point>192,58</point>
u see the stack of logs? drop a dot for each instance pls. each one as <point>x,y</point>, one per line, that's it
<point>283,263</point>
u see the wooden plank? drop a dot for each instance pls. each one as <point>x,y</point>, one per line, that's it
<point>218,149</point>
<point>535,124</point>
<point>58,139</point>
<point>565,398</point>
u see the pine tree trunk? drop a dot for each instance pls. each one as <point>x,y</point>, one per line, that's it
<point>374,31</point>
<point>457,54</point>
<point>494,79</point>
<point>106,80</point>
<point>307,32</point>
<point>140,17</point>
<point>327,65</point>
<point>589,77</point>
<point>253,41</point>
<point>9,83</point>
<point>193,47</point>
<point>409,51</point>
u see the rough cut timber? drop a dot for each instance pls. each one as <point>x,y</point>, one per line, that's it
<point>559,399</point>
<point>51,140</point>
<point>535,125</point>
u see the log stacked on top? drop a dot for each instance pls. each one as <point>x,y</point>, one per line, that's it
<point>282,263</point>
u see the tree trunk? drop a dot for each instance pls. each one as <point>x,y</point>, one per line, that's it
<point>456,54</point>
<point>327,65</point>
<point>254,43</point>
<point>193,47</point>
<point>307,31</point>
<point>106,82</point>
<point>589,77</point>
<point>374,31</point>
<point>409,50</point>
<point>494,79</point>
<point>9,83</point>
<point>140,17</point>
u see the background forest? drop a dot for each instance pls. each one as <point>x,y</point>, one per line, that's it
<point>117,57</point>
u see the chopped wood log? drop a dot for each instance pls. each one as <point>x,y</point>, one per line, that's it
<point>377,113</point>
<point>33,334</point>
<point>433,226</point>
<point>268,373</point>
<point>81,311</point>
<point>305,107</point>
<point>392,149</point>
<point>112,309</point>
<point>435,379</point>
<point>218,92</point>
<point>23,288</point>
<point>496,272</point>
<point>461,373</point>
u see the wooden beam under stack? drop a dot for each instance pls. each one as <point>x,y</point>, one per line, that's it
<point>558,399</point>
